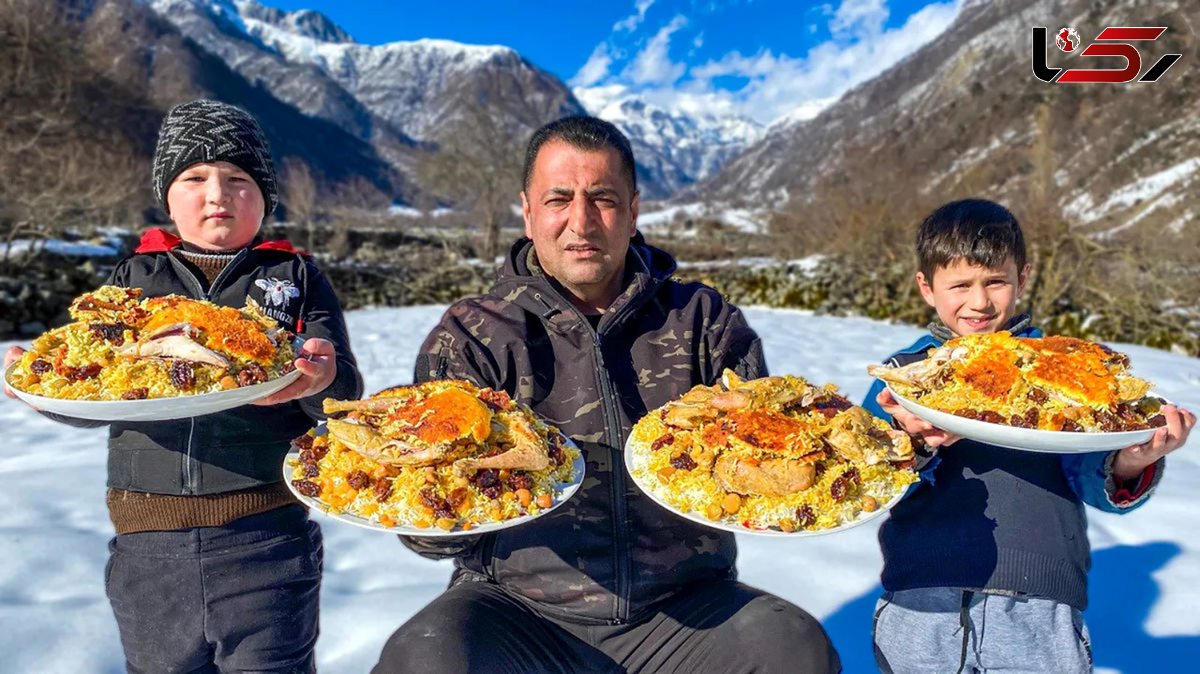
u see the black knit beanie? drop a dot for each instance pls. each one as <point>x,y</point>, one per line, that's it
<point>209,131</point>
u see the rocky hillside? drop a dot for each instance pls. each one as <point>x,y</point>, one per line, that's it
<point>965,116</point>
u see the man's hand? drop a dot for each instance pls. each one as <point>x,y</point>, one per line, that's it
<point>317,363</point>
<point>1132,461</point>
<point>914,425</point>
<point>11,356</point>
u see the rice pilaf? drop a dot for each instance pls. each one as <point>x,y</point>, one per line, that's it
<point>121,347</point>
<point>426,456</point>
<point>774,453</point>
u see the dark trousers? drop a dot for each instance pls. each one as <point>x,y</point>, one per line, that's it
<point>722,627</point>
<point>237,598</point>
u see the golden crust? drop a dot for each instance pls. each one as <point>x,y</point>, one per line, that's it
<point>1051,383</point>
<point>225,328</point>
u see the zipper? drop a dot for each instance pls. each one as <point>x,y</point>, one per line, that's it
<point>622,562</point>
<point>189,463</point>
<point>617,468</point>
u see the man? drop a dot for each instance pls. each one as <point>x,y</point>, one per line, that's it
<point>585,325</point>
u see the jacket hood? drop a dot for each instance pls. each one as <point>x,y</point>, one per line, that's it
<point>157,240</point>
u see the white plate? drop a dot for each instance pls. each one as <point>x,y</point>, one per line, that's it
<point>154,409</point>
<point>1030,439</point>
<point>632,460</point>
<point>562,492</point>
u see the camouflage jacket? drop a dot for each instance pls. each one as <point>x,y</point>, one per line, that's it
<point>610,554</point>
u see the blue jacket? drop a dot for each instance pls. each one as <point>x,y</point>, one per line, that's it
<point>991,518</point>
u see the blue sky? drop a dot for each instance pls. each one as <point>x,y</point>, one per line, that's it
<point>759,58</point>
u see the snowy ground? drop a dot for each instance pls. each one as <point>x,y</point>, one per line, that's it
<point>54,529</point>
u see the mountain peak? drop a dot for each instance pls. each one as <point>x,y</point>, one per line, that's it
<point>303,23</point>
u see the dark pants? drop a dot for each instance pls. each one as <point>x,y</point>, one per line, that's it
<point>722,627</point>
<point>237,598</point>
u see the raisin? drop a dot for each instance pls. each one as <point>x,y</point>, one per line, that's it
<point>818,470</point>
<point>428,498</point>
<point>303,442</point>
<point>113,333</point>
<point>1027,420</point>
<point>382,489</point>
<point>488,477</point>
<point>307,488</point>
<point>1108,422</point>
<point>313,454</point>
<point>311,470</point>
<point>443,511</point>
<point>662,442</point>
<point>557,455</point>
<point>520,480</point>
<point>1157,421</point>
<point>358,479</point>
<point>683,462</point>
<point>251,374</point>
<point>805,517</point>
<point>991,417</point>
<point>840,488</point>
<point>81,373</point>
<point>136,394</point>
<point>1070,426</point>
<point>493,492</point>
<point>287,367</point>
<point>40,367</point>
<point>182,374</point>
<point>1037,395</point>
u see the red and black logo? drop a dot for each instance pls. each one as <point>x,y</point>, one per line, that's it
<point>1112,41</point>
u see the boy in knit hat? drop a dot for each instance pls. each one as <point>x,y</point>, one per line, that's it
<point>214,564</point>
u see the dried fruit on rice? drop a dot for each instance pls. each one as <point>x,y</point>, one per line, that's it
<point>442,454</point>
<point>1050,383</point>
<point>123,347</point>
<point>771,453</point>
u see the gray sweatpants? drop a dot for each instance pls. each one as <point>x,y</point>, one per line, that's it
<point>944,629</point>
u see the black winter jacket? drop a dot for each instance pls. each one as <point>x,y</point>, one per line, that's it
<point>242,447</point>
<point>610,554</point>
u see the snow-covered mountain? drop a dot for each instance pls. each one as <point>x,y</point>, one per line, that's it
<point>674,148</point>
<point>396,96</point>
<point>404,97</point>
<point>964,116</point>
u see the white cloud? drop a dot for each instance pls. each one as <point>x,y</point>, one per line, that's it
<point>653,64</point>
<point>596,67</point>
<point>631,22</point>
<point>859,17</point>
<point>777,85</point>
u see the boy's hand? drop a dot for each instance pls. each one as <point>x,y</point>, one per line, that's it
<point>11,356</point>
<point>317,363</point>
<point>1131,461</point>
<point>914,425</point>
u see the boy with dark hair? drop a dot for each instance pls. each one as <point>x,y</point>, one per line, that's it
<point>214,564</point>
<point>993,536</point>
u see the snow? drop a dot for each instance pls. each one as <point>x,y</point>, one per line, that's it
<point>54,528</point>
<point>58,247</point>
<point>1148,187</point>
<point>742,219</point>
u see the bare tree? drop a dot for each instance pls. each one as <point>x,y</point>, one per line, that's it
<point>300,197</point>
<point>477,168</point>
<point>64,153</point>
